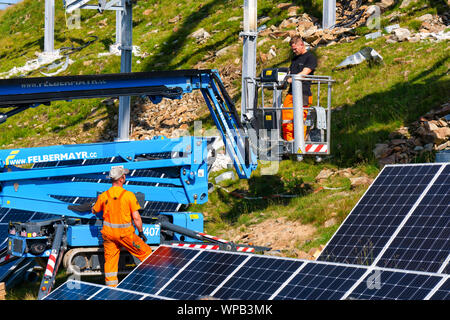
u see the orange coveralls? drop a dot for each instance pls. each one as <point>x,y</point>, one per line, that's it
<point>287,116</point>
<point>117,205</point>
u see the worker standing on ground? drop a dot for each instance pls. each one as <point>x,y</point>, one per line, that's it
<point>119,207</point>
<point>304,62</point>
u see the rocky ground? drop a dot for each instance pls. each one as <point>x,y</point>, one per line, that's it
<point>430,132</point>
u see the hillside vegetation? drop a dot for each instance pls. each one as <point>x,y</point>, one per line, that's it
<point>369,102</point>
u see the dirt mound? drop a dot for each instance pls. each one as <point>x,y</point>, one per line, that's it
<point>280,234</point>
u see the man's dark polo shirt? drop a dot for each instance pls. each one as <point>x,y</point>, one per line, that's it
<point>306,60</point>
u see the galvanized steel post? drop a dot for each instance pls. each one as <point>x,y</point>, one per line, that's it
<point>125,66</point>
<point>249,55</point>
<point>297,97</point>
<point>49,26</point>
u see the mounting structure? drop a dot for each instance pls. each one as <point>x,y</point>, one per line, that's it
<point>124,36</point>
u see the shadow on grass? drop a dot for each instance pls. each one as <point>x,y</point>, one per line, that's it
<point>358,127</point>
<point>170,48</point>
<point>263,192</point>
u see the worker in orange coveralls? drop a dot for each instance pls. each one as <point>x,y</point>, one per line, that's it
<point>304,63</point>
<point>119,208</point>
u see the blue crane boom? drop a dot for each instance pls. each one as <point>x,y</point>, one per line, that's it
<point>17,95</point>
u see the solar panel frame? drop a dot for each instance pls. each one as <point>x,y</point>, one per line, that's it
<point>369,256</point>
<point>321,281</point>
<point>441,291</point>
<point>248,284</point>
<point>307,279</point>
<point>423,243</point>
<point>202,276</point>
<point>392,284</point>
<point>79,290</point>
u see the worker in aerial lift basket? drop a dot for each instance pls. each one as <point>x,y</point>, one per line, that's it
<point>304,62</point>
<point>119,208</point>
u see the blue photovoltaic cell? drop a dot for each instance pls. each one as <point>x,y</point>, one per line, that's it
<point>79,290</point>
<point>203,275</point>
<point>3,235</point>
<point>321,282</point>
<point>151,298</point>
<point>114,294</point>
<point>258,279</point>
<point>157,269</point>
<point>443,293</point>
<point>16,215</point>
<point>396,285</point>
<point>423,243</point>
<point>72,290</point>
<point>380,211</point>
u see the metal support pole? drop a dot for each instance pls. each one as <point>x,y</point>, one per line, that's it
<point>329,116</point>
<point>329,14</point>
<point>249,56</point>
<point>297,96</point>
<point>118,27</point>
<point>49,26</point>
<point>125,66</point>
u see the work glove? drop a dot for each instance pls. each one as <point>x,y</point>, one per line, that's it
<point>142,236</point>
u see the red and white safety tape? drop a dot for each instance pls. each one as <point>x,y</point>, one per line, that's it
<point>316,148</point>
<point>197,246</point>
<point>51,264</point>
<point>211,247</point>
<point>5,258</point>
<point>212,237</point>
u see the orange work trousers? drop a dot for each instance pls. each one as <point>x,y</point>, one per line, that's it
<point>134,244</point>
<point>287,116</point>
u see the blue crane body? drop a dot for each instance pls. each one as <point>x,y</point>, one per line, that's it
<point>64,181</point>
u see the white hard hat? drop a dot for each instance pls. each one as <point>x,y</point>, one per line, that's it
<point>117,171</point>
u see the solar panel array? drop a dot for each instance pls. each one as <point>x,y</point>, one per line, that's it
<point>192,274</point>
<point>401,222</point>
<point>393,245</point>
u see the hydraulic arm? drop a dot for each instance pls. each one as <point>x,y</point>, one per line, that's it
<point>17,95</point>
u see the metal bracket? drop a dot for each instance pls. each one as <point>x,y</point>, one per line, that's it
<point>250,34</point>
<point>321,118</point>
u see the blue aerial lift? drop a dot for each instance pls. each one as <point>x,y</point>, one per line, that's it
<point>64,181</point>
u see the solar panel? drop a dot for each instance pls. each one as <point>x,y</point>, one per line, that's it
<point>79,290</point>
<point>159,268</point>
<point>399,285</point>
<point>202,277</point>
<point>423,243</point>
<point>442,292</point>
<point>3,235</point>
<point>321,282</point>
<point>372,223</point>
<point>8,269</point>
<point>73,290</point>
<point>258,278</point>
<point>401,222</point>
